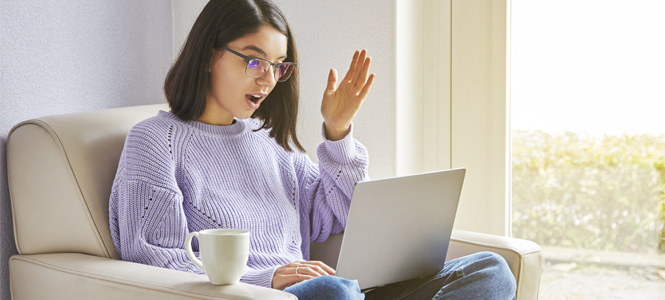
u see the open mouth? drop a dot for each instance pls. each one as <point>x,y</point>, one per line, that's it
<point>253,98</point>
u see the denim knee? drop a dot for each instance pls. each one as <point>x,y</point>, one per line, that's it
<point>501,274</point>
<point>327,288</point>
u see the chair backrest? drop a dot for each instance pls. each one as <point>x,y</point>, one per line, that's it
<point>60,171</point>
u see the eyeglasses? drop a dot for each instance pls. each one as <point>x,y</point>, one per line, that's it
<point>257,67</point>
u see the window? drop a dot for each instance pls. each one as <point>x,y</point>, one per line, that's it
<point>588,144</point>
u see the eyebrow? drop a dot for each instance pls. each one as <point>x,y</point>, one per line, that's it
<point>259,50</point>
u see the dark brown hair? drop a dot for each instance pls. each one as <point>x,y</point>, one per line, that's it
<point>221,22</point>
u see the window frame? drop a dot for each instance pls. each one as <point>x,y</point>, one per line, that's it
<point>452,110</point>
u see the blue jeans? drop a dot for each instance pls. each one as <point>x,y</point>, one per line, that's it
<point>483,275</point>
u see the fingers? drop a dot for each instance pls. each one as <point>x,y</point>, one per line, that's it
<point>286,275</point>
<point>332,80</point>
<point>352,67</point>
<point>314,267</point>
<point>362,77</point>
<point>311,270</point>
<point>360,64</point>
<point>368,85</point>
<point>358,70</point>
<point>324,267</point>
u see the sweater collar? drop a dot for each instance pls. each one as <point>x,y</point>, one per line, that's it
<point>236,129</point>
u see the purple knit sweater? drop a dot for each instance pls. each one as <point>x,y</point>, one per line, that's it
<point>175,177</point>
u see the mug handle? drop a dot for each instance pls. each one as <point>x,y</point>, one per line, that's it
<point>190,253</point>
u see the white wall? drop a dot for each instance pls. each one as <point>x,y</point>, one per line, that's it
<point>409,89</point>
<point>69,56</point>
<point>326,34</point>
<point>183,13</point>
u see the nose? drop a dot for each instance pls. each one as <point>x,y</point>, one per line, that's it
<point>268,78</point>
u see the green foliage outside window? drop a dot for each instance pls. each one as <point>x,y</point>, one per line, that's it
<point>579,191</point>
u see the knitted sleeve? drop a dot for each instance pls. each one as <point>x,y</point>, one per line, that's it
<point>329,185</point>
<point>147,219</point>
<point>152,229</point>
<point>151,225</point>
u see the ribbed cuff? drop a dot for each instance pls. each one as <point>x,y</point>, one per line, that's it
<point>342,151</point>
<point>260,277</point>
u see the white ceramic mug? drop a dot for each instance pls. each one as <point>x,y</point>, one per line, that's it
<point>224,253</point>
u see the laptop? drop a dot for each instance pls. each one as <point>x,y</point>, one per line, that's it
<point>399,228</point>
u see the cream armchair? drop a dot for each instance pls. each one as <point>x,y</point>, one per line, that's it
<point>60,171</point>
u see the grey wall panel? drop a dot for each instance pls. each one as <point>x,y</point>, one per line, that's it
<point>68,56</point>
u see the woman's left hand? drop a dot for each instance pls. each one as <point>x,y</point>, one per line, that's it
<point>341,104</point>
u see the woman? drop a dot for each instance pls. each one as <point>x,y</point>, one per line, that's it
<point>223,157</point>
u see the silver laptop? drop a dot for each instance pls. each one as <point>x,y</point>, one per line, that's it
<point>399,228</point>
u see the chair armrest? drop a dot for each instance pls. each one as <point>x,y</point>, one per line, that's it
<point>524,257</point>
<point>81,276</point>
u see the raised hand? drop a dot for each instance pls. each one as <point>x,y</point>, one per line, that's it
<point>298,271</point>
<point>341,104</point>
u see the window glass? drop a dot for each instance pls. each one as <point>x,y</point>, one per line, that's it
<point>588,144</point>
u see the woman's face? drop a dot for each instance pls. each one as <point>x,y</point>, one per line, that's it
<point>229,87</point>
